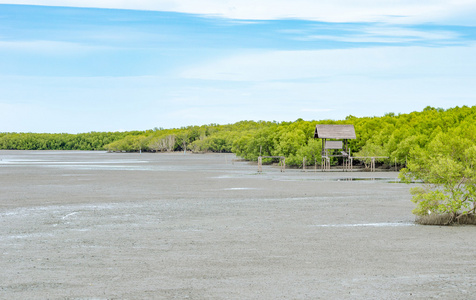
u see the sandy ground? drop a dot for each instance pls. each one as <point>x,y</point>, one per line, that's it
<point>95,225</point>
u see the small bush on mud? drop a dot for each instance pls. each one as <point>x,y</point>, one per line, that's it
<point>445,219</point>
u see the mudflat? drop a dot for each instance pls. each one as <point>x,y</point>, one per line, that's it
<point>97,225</point>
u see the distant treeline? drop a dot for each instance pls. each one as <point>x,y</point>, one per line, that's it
<point>60,141</point>
<point>391,135</point>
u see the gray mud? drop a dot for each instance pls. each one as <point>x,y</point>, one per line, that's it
<point>96,225</point>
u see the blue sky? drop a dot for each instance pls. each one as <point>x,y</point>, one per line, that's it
<point>136,65</point>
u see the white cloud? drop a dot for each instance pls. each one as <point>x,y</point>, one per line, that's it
<point>401,11</point>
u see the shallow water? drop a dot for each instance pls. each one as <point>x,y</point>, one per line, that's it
<point>368,225</point>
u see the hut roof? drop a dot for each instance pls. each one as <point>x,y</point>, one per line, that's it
<point>334,132</point>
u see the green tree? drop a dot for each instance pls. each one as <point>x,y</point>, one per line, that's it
<point>371,150</point>
<point>447,168</point>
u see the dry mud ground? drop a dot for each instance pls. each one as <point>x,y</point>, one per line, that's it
<point>95,225</point>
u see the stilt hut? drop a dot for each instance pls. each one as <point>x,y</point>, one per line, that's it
<point>335,143</point>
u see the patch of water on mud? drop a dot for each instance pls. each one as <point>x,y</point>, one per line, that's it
<point>68,215</point>
<point>21,161</point>
<point>25,236</point>
<point>57,162</point>
<point>366,225</point>
<point>58,211</point>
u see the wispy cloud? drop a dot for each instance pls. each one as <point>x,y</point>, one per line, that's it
<point>377,61</point>
<point>380,33</point>
<point>402,11</point>
<point>392,35</point>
